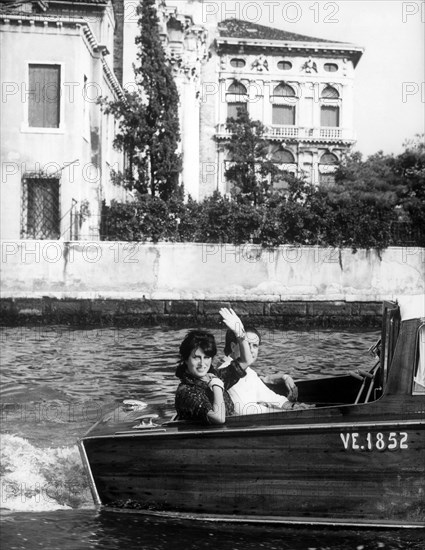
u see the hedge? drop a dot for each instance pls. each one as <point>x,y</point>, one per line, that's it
<point>315,219</point>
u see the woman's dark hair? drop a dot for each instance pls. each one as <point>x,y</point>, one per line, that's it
<point>193,340</point>
<point>231,338</point>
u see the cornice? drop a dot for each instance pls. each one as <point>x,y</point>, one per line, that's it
<point>76,24</point>
<point>292,46</point>
<point>112,79</point>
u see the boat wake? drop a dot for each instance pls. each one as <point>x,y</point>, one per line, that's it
<point>34,479</point>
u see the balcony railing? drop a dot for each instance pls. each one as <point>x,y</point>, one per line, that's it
<point>283,131</point>
<point>298,132</point>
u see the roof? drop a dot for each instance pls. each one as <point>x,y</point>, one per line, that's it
<point>236,28</point>
<point>45,3</point>
<point>78,1</point>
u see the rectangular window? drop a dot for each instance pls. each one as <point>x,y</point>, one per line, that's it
<point>234,108</point>
<point>44,96</point>
<point>283,115</point>
<point>329,116</point>
<point>40,208</point>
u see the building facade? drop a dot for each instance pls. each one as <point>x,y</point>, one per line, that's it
<point>299,87</point>
<point>186,47</point>
<point>56,147</point>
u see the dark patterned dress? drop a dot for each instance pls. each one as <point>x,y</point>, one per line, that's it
<point>194,399</point>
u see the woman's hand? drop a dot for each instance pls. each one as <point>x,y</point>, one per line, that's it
<point>232,321</point>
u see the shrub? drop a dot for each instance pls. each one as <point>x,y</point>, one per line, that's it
<point>364,209</point>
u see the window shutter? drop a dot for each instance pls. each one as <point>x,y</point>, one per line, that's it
<point>283,115</point>
<point>329,116</point>
<point>44,96</point>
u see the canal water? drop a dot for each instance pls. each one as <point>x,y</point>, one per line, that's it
<point>57,381</point>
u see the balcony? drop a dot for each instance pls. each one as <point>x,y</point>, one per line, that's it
<point>297,133</point>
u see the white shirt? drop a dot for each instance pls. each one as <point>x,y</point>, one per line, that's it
<point>249,391</point>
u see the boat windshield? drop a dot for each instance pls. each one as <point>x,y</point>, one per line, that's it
<point>419,385</point>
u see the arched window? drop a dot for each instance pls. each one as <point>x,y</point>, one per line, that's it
<point>236,99</point>
<point>283,111</point>
<point>286,166</point>
<point>237,88</point>
<point>328,158</point>
<point>282,156</point>
<point>284,90</point>
<point>327,166</point>
<point>329,110</point>
<point>329,92</point>
<point>175,30</point>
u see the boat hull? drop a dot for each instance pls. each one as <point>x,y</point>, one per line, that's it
<point>343,472</point>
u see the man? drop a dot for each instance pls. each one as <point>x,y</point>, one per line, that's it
<point>250,395</point>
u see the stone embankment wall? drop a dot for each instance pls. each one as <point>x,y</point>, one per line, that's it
<point>55,281</point>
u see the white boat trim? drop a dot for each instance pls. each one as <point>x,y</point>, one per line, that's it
<point>279,428</point>
<point>275,520</point>
<point>86,463</point>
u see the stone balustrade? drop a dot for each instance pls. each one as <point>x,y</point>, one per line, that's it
<point>278,132</point>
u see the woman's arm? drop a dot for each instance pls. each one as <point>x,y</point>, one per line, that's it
<point>218,414</point>
<point>192,403</point>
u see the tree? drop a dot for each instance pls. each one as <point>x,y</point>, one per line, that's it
<point>251,172</point>
<point>161,114</point>
<point>363,202</point>
<point>381,200</point>
<point>148,117</point>
<point>410,167</point>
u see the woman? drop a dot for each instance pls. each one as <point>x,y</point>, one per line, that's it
<point>202,394</point>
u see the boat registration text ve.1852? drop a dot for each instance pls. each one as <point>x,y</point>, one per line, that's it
<point>392,441</point>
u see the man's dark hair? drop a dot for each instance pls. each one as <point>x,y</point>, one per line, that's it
<point>231,338</point>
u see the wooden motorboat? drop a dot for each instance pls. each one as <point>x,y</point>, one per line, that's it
<point>356,458</point>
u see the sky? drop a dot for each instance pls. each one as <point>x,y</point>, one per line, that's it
<point>389,79</point>
<point>389,90</point>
